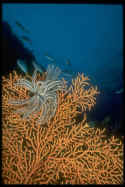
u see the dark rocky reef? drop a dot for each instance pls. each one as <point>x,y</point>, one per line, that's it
<point>12,50</point>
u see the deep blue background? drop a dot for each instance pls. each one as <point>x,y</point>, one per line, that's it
<point>91,36</point>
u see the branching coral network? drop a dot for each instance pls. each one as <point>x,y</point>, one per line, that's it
<point>65,150</point>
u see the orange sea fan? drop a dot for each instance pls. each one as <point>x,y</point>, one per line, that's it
<point>65,150</point>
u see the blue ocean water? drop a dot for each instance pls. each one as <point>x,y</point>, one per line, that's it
<point>85,38</point>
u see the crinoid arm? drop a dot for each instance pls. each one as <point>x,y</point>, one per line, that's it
<point>25,83</point>
<point>51,97</point>
<point>55,85</point>
<point>21,102</point>
<point>34,78</point>
<point>52,102</point>
<point>31,108</point>
<point>53,108</point>
<point>53,72</point>
<point>43,117</point>
<point>48,111</point>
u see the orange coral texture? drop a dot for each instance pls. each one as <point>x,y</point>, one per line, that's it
<point>63,151</point>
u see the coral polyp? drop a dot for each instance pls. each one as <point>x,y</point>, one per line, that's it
<point>43,94</point>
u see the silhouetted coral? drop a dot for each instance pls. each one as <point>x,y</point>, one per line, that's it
<point>65,150</point>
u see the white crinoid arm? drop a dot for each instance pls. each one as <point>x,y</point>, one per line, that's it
<point>30,108</point>
<point>25,83</point>
<point>54,108</point>
<point>48,106</point>
<point>43,117</point>
<point>52,72</point>
<point>55,85</point>
<point>34,76</point>
<point>53,105</point>
<point>21,102</point>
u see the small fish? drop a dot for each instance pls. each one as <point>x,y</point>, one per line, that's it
<point>49,58</point>
<point>68,62</point>
<point>66,74</point>
<point>92,124</point>
<point>22,27</point>
<point>120,91</point>
<point>38,67</point>
<point>69,71</point>
<point>27,39</point>
<point>22,65</point>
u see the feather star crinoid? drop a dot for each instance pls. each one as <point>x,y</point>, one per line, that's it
<point>44,94</point>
